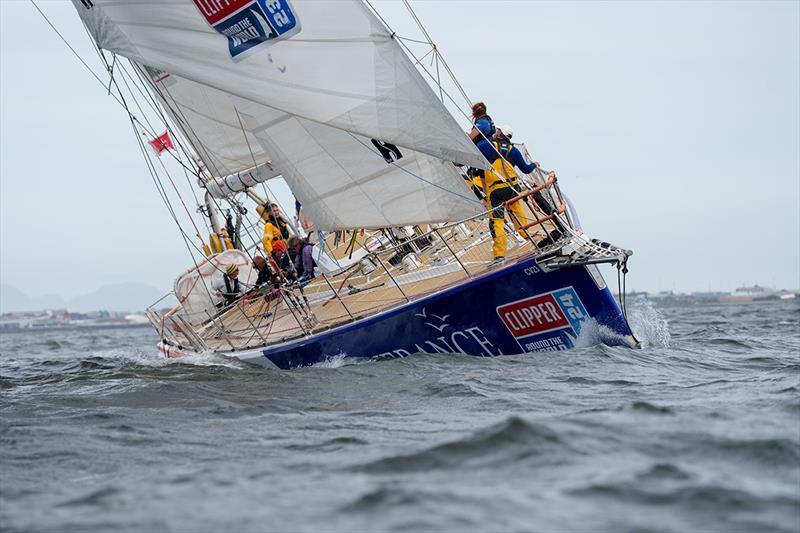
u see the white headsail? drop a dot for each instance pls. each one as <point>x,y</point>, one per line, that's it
<point>324,87</point>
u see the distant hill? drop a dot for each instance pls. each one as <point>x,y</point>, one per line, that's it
<point>13,299</point>
<point>117,297</point>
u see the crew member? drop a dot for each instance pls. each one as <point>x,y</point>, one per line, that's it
<point>282,261</point>
<point>510,157</point>
<point>275,226</point>
<point>227,287</point>
<point>501,183</point>
<point>300,250</point>
<point>483,129</point>
<point>265,273</point>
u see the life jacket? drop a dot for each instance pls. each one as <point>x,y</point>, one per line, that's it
<point>275,229</point>
<point>231,289</point>
<point>492,130</point>
<point>502,165</point>
<point>271,233</point>
<point>282,226</point>
<point>502,173</point>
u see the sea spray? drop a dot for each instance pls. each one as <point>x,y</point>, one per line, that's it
<point>648,324</point>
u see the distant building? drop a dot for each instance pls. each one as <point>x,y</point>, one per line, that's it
<point>756,293</point>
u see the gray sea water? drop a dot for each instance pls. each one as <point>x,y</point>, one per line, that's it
<point>698,431</point>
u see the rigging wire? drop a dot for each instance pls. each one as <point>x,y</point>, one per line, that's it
<point>430,41</point>
<point>177,135</point>
<point>113,82</point>
<point>150,101</point>
<point>134,122</point>
<point>182,122</point>
<point>188,156</point>
<point>178,112</point>
<point>162,192</point>
<point>160,187</point>
<point>267,189</point>
<point>442,90</point>
<point>77,55</point>
<point>94,74</point>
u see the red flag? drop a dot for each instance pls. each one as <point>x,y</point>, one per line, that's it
<point>161,143</point>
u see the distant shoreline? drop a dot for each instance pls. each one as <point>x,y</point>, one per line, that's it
<point>68,327</point>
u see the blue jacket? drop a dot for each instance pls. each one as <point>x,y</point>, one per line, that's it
<point>485,126</point>
<point>514,156</point>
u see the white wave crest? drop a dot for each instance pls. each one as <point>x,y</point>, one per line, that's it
<point>339,360</point>
<point>593,333</point>
<point>207,358</point>
<point>153,358</point>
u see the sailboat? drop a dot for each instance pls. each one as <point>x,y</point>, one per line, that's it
<point>325,96</point>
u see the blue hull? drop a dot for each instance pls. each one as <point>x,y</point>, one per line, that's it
<point>517,309</point>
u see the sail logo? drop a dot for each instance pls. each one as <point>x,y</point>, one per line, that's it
<point>559,311</point>
<point>388,151</point>
<point>249,24</point>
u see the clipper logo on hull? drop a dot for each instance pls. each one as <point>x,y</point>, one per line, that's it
<point>546,322</point>
<point>249,24</point>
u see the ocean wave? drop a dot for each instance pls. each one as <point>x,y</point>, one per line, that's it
<point>728,344</point>
<point>779,452</point>
<point>202,359</point>
<point>506,442</point>
<point>715,498</point>
<point>693,436</point>
<point>647,407</point>
<point>328,445</point>
<point>93,498</point>
<point>664,471</point>
<point>450,390</point>
<point>580,380</point>
<point>381,498</point>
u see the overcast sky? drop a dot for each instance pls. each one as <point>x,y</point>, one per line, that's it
<point>673,126</point>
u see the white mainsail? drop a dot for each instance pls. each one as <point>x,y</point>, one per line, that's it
<point>318,81</point>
